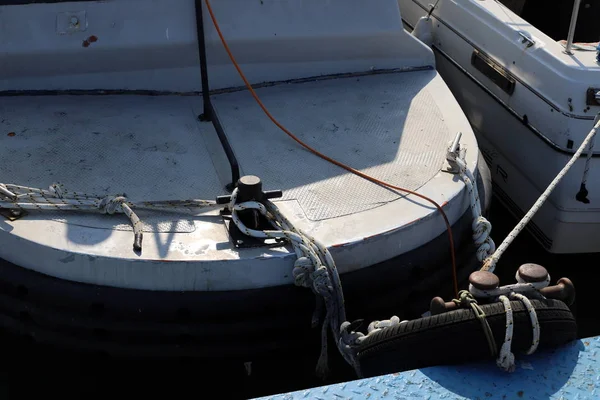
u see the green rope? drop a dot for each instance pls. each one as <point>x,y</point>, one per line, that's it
<point>465,300</point>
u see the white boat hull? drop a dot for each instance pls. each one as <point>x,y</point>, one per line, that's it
<point>154,148</point>
<point>528,136</point>
<point>110,105</point>
<point>388,114</point>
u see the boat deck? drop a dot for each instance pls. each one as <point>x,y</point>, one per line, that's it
<point>382,125</point>
<point>147,147</point>
<point>153,147</point>
<point>394,126</point>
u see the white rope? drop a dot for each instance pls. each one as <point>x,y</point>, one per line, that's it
<point>583,192</point>
<point>490,263</point>
<point>481,226</point>
<point>590,152</point>
<point>506,359</point>
<point>534,322</point>
<point>57,198</point>
<point>352,339</point>
<point>481,237</point>
<point>7,193</point>
<point>377,326</point>
<point>314,268</point>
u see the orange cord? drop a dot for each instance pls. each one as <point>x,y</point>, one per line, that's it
<point>329,159</point>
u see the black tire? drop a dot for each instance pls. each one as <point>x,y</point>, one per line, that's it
<point>457,336</point>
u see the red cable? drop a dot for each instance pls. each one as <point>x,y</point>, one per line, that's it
<point>329,159</point>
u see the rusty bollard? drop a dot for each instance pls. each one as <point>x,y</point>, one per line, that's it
<point>532,273</point>
<point>482,280</point>
<point>564,290</point>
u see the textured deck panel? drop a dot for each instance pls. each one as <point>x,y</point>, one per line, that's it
<point>387,125</point>
<point>150,148</point>
<point>569,372</point>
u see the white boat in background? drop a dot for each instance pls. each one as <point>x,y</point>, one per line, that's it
<point>531,95</point>
<point>99,114</point>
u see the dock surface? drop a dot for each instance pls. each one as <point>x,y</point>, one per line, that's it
<point>567,372</point>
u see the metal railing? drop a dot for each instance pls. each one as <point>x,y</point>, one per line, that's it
<point>572,26</point>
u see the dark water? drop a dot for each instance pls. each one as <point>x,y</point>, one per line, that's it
<point>28,371</point>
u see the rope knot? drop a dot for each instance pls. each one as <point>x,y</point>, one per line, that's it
<point>482,229</point>
<point>302,272</point>
<point>465,299</point>
<point>111,204</point>
<point>322,282</point>
<point>348,336</point>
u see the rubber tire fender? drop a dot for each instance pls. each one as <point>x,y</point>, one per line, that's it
<point>457,336</point>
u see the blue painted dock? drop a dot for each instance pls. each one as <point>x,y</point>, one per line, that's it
<point>568,372</point>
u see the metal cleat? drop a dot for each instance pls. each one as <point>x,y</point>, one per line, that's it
<point>249,189</point>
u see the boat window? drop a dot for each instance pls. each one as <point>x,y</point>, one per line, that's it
<point>553,17</point>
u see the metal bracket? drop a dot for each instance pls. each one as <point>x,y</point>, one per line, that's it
<point>592,97</point>
<point>12,214</point>
<point>526,39</point>
<point>455,149</point>
<point>249,189</point>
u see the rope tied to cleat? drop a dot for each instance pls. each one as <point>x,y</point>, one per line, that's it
<point>531,279</point>
<point>314,268</point>
<point>481,226</point>
<point>490,263</point>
